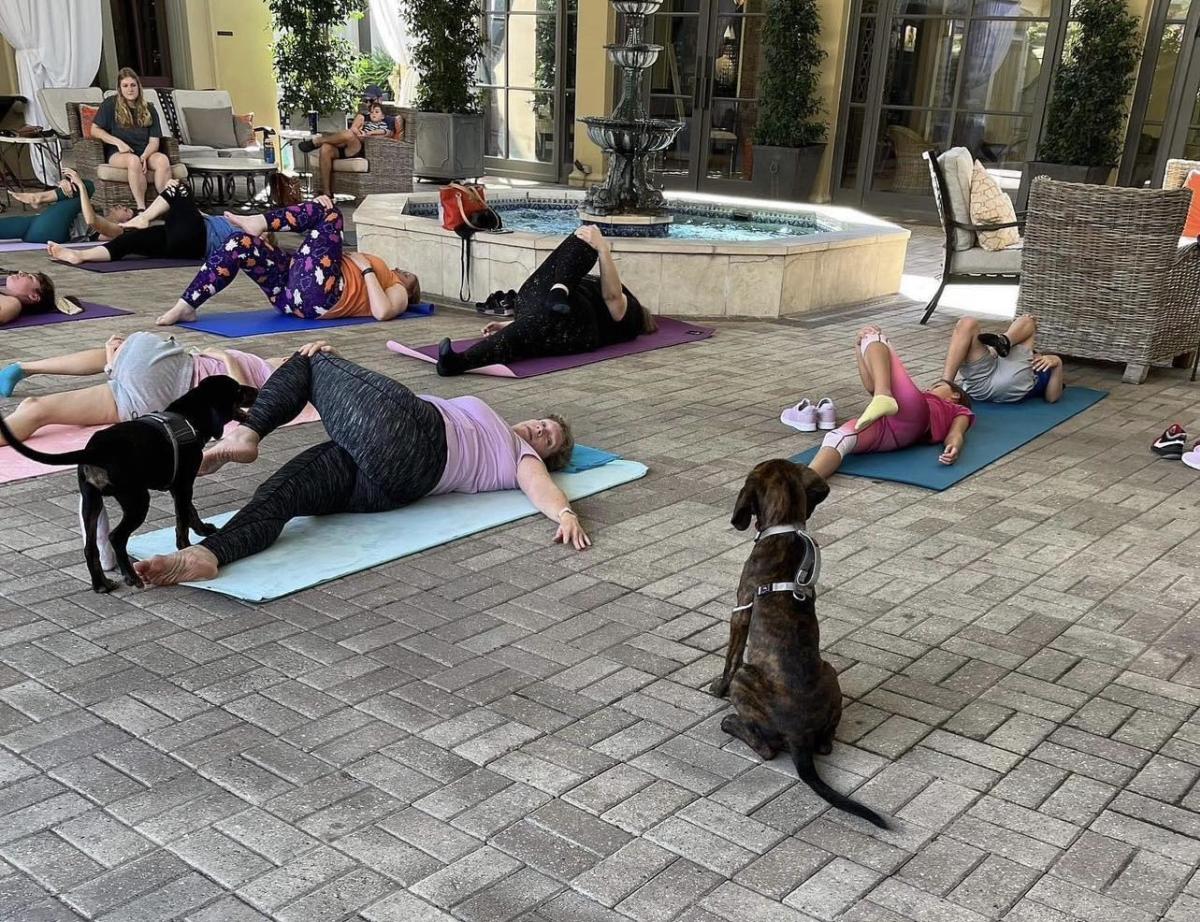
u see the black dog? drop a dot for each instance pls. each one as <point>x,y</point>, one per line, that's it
<point>785,696</point>
<point>160,451</point>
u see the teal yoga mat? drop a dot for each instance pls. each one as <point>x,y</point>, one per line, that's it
<point>999,429</point>
<point>333,546</point>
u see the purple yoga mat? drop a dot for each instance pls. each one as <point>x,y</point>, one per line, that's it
<point>91,311</point>
<point>18,246</point>
<point>133,265</point>
<point>670,333</point>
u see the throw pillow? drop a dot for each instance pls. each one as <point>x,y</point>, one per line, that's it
<point>1191,227</point>
<point>87,115</point>
<point>210,127</point>
<point>243,127</point>
<point>989,205</point>
<point>957,164</point>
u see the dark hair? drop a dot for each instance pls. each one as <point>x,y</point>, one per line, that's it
<point>45,299</point>
<point>558,460</point>
<point>649,324</point>
<point>961,397</point>
<point>413,288</point>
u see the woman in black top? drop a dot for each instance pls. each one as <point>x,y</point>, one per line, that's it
<point>132,135</point>
<point>560,310</point>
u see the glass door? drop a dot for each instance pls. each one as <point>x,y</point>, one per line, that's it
<point>707,77</point>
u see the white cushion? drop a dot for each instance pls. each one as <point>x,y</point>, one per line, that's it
<point>345,165</point>
<point>957,164</point>
<point>110,173</point>
<point>978,261</point>
<point>54,102</point>
<point>152,99</point>
<point>990,205</point>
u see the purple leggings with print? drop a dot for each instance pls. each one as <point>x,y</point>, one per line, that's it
<point>306,283</point>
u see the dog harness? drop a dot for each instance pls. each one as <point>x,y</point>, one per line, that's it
<point>179,432</point>
<point>804,584</point>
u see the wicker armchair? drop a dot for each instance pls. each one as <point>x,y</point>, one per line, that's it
<point>1177,172</point>
<point>112,188</point>
<point>385,165</point>
<point>1106,276</point>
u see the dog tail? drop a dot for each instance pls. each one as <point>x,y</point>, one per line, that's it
<point>69,457</point>
<point>808,774</point>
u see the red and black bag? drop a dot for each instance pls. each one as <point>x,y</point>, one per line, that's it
<point>464,210</point>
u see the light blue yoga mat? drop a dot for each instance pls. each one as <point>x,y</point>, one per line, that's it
<point>263,322</point>
<point>315,550</point>
<point>999,428</point>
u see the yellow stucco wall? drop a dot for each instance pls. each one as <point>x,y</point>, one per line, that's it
<point>593,82</point>
<point>239,63</point>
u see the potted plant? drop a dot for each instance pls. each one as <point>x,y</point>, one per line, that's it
<point>313,65</point>
<point>1087,111</point>
<point>790,137</point>
<point>448,124</point>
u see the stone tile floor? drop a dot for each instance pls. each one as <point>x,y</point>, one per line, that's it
<point>502,729</point>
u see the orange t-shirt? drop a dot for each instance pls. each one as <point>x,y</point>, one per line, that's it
<point>1191,227</point>
<point>354,301</point>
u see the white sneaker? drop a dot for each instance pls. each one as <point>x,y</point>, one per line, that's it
<point>108,557</point>
<point>826,414</point>
<point>1192,458</point>
<point>802,416</point>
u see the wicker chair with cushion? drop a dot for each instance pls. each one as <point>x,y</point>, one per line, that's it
<point>1105,274</point>
<point>384,165</point>
<point>965,262</point>
<point>112,183</point>
<point>1177,172</point>
<point>909,147</point>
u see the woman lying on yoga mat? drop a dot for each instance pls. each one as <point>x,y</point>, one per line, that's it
<point>388,448</point>
<point>24,291</point>
<point>560,310</point>
<point>900,414</point>
<point>54,224</point>
<point>318,281</point>
<point>186,232</point>
<point>146,372</point>
<point>1002,367</point>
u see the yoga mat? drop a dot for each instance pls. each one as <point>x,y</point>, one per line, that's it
<point>999,429</point>
<point>670,333</point>
<point>263,323</point>
<point>58,439</point>
<point>134,265</point>
<point>19,246</point>
<point>337,545</point>
<point>91,311</point>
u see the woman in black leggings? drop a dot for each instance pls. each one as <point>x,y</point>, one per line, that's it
<point>387,448</point>
<point>560,310</point>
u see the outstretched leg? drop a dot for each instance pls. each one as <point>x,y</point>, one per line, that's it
<point>88,406</point>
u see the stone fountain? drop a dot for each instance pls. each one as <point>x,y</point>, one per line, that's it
<point>628,203</point>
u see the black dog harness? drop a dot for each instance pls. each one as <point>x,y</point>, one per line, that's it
<point>804,584</point>
<point>179,432</point>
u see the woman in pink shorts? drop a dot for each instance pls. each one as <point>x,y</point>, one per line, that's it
<point>900,414</point>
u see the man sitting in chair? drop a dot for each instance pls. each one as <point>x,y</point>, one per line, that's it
<point>1002,367</point>
<point>339,145</point>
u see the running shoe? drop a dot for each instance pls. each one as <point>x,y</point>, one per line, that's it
<point>997,341</point>
<point>826,414</point>
<point>1171,443</point>
<point>803,416</point>
<point>1192,458</point>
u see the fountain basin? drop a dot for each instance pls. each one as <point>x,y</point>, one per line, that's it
<point>835,257</point>
<point>631,138</point>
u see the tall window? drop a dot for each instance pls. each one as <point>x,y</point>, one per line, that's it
<point>1165,54</point>
<point>140,34</point>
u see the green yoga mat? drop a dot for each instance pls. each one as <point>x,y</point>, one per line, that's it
<point>315,550</point>
<point>999,428</point>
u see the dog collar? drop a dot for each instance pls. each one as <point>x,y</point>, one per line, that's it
<point>804,584</point>
<point>179,432</point>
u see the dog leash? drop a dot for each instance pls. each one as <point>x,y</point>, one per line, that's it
<point>804,584</point>
<point>179,432</point>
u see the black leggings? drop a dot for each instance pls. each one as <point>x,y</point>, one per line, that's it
<point>182,234</point>
<point>387,448</point>
<point>537,330</point>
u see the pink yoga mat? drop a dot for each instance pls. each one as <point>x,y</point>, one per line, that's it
<point>670,333</point>
<point>68,438</point>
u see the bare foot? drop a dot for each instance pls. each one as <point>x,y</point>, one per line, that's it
<point>61,254</point>
<point>27,198</point>
<point>178,314</point>
<point>254,224</point>
<point>191,563</point>
<point>240,447</point>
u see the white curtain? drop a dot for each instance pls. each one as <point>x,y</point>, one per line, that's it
<point>392,28</point>
<point>57,44</point>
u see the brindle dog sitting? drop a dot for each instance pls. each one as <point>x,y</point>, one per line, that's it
<point>785,696</point>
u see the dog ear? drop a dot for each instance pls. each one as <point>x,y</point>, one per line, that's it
<point>815,487</point>
<point>746,504</point>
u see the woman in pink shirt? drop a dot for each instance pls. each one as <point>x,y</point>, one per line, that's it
<point>899,414</point>
<point>387,447</point>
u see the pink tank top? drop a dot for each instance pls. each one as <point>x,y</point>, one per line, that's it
<point>482,451</point>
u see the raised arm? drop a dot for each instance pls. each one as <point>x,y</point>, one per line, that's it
<point>543,492</point>
<point>98,223</point>
<point>610,281</point>
<point>384,303</point>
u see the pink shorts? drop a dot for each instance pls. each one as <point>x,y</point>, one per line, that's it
<point>907,427</point>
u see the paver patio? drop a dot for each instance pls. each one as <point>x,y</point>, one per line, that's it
<point>504,729</point>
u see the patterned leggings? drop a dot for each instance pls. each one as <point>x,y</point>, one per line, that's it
<point>537,330</point>
<point>306,283</point>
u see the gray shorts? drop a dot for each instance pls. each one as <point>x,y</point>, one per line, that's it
<point>999,380</point>
<point>149,373</point>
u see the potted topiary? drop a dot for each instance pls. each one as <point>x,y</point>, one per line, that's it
<point>790,137</point>
<point>313,66</point>
<point>448,124</point>
<point>1087,110</point>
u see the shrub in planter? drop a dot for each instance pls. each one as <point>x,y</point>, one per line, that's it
<point>313,66</point>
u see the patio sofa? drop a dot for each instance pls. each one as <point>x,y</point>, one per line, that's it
<point>194,144</point>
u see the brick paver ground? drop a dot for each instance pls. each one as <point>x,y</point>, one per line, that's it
<point>503,729</point>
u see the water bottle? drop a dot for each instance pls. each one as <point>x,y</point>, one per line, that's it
<point>312,120</point>
<point>267,145</point>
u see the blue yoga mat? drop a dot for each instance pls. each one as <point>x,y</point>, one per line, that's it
<point>337,545</point>
<point>999,428</point>
<point>262,323</point>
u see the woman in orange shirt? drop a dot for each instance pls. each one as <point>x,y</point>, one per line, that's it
<point>317,281</point>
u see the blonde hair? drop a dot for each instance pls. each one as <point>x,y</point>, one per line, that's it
<point>137,112</point>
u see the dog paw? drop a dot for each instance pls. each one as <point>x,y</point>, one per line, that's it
<point>206,529</point>
<point>719,688</point>
<point>132,579</point>
<point>103,585</point>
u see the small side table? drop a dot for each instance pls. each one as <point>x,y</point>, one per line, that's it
<point>291,137</point>
<point>219,176</point>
